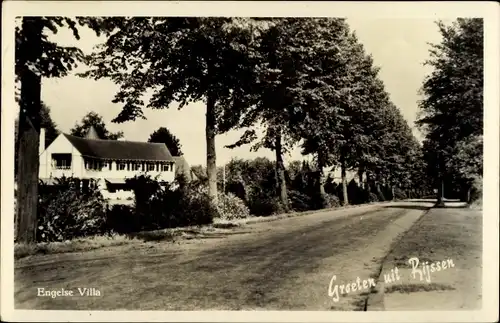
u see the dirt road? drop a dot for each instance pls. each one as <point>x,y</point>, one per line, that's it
<point>281,265</point>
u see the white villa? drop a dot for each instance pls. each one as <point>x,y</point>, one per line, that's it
<point>110,161</point>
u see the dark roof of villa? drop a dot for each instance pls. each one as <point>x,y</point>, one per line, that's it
<point>120,149</point>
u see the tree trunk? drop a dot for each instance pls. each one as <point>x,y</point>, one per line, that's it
<point>211,156</point>
<point>440,201</point>
<point>321,175</point>
<point>392,192</point>
<point>321,181</point>
<point>280,172</point>
<point>28,134</point>
<point>344,182</point>
<point>378,190</point>
<point>360,175</point>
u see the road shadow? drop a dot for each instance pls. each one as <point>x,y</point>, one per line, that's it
<point>431,200</point>
<point>421,200</point>
<point>459,206</point>
<point>408,207</point>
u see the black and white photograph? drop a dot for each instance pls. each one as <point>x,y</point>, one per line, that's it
<point>249,161</point>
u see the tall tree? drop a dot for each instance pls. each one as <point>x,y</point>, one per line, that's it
<point>452,108</point>
<point>291,54</point>
<point>182,60</point>
<point>163,135</point>
<point>95,120</point>
<point>46,122</point>
<point>37,57</point>
<point>341,130</point>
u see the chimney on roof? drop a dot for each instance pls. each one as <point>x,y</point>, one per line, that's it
<point>92,133</point>
<point>41,145</point>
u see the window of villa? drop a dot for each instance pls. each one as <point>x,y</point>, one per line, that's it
<point>61,161</point>
<point>128,166</point>
<point>165,167</point>
<point>121,166</point>
<point>93,164</point>
<point>151,167</point>
<point>137,166</point>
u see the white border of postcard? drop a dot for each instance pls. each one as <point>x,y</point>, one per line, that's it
<point>489,11</point>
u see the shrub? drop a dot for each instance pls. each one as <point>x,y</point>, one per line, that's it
<point>399,194</point>
<point>231,207</point>
<point>122,219</point>
<point>195,208</point>
<point>332,200</point>
<point>299,201</point>
<point>170,205</point>
<point>372,197</point>
<point>264,205</point>
<point>65,212</point>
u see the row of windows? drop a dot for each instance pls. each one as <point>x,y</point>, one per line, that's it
<point>129,166</point>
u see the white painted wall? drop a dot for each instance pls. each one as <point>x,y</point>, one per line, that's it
<point>62,145</point>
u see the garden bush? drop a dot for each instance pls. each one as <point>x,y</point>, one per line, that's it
<point>332,200</point>
<point>231,207</point>
<point>399,194</point>
<point>299,201</point>
<point>195,208</point>
<point>372,197</point>
<point>122,219</point>
<point>264,205</point>
<point>65,212</point>
<point>171,205</point>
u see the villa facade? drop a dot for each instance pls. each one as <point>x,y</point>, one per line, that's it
<point>110,162</point>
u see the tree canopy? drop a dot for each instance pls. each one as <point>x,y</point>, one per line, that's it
<point>163,135</point>
<point>95,120</point>
<point>179,60</point>
<point>451,113</point>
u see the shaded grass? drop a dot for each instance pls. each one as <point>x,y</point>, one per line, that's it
<point>412,288</point>
<point>477,205</point>
<point>82,244</point>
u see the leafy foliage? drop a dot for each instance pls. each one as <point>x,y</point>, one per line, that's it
<point>163,135</point>
<point>66,212</point>
<point>161,206</point>
<point>451,113</point>
<point>183,60</point>
<point>299,201</point>
<point>55,60</point>
<point>95,120</point>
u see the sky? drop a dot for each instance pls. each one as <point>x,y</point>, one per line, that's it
<point>399,47</point>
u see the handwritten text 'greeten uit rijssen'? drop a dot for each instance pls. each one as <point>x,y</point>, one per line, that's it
<point>422,273</point>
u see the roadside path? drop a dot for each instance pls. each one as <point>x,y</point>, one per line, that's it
<point>453,235</point>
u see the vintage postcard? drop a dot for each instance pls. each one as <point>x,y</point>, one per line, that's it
<point>250,161</point>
